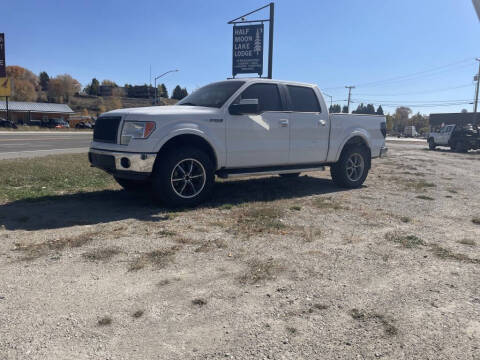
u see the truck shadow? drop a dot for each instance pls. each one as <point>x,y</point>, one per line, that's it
<point>60,211</point>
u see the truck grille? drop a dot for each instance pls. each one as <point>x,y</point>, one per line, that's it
<point>106,129</point>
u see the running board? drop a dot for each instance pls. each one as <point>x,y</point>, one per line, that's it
<point>277,170</point>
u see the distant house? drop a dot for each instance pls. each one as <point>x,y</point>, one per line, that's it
<point>31,112</point>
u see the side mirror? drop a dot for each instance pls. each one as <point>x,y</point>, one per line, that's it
<point>245,106</point>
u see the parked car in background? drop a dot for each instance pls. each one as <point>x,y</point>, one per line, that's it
<point>459,138</point>
<point>4,123</point>
<point>54,123</point>
<point>83,125</point>
<point>410,131</point>
<point>233,128</point>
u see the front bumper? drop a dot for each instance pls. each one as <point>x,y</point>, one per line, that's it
<point>123,164</point>
<point>383,151</point>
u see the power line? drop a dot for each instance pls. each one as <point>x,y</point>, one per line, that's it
<point>434,71</point>
<point>431,91</point>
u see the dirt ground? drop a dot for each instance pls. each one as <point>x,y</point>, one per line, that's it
<point>271,268</point>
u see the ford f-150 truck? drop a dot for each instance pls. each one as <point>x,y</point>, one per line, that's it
<point>232,128</point>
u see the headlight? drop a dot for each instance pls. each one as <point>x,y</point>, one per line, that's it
<point>136,130</point>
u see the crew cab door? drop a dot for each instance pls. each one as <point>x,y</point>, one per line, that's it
<point>309,126</point>
<point>445,135</point>
<point>261,138</point>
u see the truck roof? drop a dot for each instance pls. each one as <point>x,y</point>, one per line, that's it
<point>272,81</point>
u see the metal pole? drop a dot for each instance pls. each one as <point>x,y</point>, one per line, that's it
<point>478,86</point>
<point>349,96</point>
<point>155,100</point>
<point>270,39</point>
<point>6,105</point>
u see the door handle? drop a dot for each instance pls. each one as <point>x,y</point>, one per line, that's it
<point>322,122</point>
<point>283,123</point>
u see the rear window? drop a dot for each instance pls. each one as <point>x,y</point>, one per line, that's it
<point>303,99</point>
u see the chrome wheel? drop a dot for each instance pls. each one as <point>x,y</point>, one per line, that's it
<point>355,167</point>
<point>188,178</point>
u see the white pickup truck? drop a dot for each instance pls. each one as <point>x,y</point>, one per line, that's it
<point>232,128</point>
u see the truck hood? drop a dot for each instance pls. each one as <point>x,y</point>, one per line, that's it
<point>169,110</point>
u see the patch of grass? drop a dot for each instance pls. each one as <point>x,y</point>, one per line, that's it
<point>413,184</point>
<point>137,314</point>
<point>405,219</point>
<point>225,207</point>
<point>158,258</point>
<point>318,306</point>
<point>326,203</point>
<point>34,251</point>
<point>424,197</point>
<point>468,242</point>
<point>260,219</point>
<point>105,321</point>
<point>453,191</point>
<point>386,322</point>
<point>295,208</point>
<point>447,254</point>
<point>407,241</point>
<point>166,233</point>
<point>102,254</point>
<point>476,220</point>
<point>28,179</point>
<point>291,330</point>
<point>199,302</point>
<point>310,233</point>
<point>260,270</point>
<point>164,282</point>
<point>211,245</point>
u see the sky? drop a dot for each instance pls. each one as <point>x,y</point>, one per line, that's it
<point>411,52</point>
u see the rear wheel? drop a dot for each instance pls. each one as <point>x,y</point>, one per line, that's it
<point>132,185</point>
<point>459,147</point>
<point>290,175</point>
<point>431,144</point>
<point>183,177</point>
<point>352,168</point>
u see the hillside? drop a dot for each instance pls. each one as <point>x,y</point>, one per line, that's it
<point>96,104</point>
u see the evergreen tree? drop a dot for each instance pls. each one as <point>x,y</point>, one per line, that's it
<point>184,92</point>
<point>335,109</point>
<point>345,109</point>
<point>92,89</point>
<point>179,93</point>
<point>162,91</point>
<point>370,109</point>
<point>44,79</point>
<point>380,110</point>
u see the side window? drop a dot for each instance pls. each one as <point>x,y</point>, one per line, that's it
<point>267,94</point>
<point>303,99</point>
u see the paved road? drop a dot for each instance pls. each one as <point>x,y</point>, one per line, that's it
<point>31,144</point>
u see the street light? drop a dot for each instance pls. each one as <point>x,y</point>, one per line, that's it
<point>158,77</point>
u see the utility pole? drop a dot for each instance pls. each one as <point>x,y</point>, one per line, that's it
<point>349,96</point>
<point>331,99</point>
<point>478,86</point>
<point>155,100</point>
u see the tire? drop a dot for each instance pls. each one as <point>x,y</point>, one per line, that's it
<point>431,144</point>
<point>131,185</point>
<point>352,168</point>
<point>183,178</point>
<point>459,147</point>
<point>290,175</point>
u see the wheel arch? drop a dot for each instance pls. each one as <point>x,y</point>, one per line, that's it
<point>356,139</point>
<point>190,139</point>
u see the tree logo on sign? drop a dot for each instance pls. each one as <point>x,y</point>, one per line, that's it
<point>257,45</point>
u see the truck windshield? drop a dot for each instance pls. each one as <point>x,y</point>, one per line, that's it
<point>213,95</point>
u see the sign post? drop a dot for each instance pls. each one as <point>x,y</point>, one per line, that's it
<point>5,87</point>
<point>248,44</point>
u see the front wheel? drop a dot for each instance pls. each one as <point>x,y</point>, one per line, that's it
<point>183,178</point>
<point>431,144</point>
<point>352,168</point>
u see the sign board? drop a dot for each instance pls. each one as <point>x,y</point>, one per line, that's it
<point>3,72</point>
<point>248,49</point>
<point>5,87</point>
<point>476,3</point>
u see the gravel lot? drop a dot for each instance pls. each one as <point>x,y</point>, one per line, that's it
<point>271,269</point>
